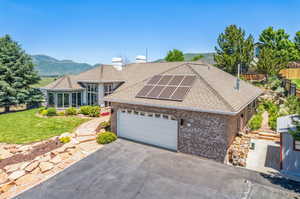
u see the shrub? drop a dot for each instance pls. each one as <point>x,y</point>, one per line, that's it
<point>293,105</point>
<point>61,113</point>
<point>42,109</point>
<point>71,111</point>
<point>85,110</point>
<point>273,122</point>
<point>44,112</point>
<point>51,112</point>
<point>94,111</point>
<point>65,139</point>
<point>106,137</point>
<point>104,124</point>
<point>255,122</point>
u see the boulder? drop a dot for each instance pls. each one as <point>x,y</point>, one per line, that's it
<point>6,187</point>
<point>16,174</point>
<point>45,166</point>
<point>26,179</point>
<point>32,166</point>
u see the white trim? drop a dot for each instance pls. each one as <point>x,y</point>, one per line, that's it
<point>184,108</point>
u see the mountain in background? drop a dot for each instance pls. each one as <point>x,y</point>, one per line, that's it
<point>49,66</point>
<point>207,57</point>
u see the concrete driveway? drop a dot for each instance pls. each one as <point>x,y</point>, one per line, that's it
<point>126,170</point>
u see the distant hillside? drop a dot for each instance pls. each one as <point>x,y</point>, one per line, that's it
<point>208,57</point>
<point>49,66</point>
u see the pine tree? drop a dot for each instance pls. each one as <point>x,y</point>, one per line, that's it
<point>297,43</point>
<point>174,55</point>
<point>233,49</point>
<point>17,74</point>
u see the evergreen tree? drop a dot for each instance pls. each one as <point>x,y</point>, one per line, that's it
<point>278,40</point>
<point>267,63</point>
<point>297,43</point>
<point>174,55</point>
<point>17,74</point>
<point>234,48</point>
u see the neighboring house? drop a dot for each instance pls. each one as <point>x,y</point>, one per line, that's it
<point>189,107</point>
<point>290,148</point>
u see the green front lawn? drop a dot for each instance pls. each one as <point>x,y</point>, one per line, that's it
<point>297,82</point>
<point>25,127</point>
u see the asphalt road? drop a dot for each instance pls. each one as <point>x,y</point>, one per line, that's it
<point>129,170</point>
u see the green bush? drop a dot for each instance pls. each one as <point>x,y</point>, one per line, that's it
<point>104,124</point>
<point>65,139</point>
<point>94,111</point>
<point>255,122</point>
<point>61,113</point>
<point>51,112</point>
<point>293,105</point>
<point>85,110</point>
<point>106,137</point>
<point>273,122</point>
<point>42,109</point>
<point>71,111</point>
<point>44,112</point>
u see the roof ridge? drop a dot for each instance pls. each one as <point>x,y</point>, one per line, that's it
<point>212,89</point>
<point>59,81</point>
<point>69,81</point>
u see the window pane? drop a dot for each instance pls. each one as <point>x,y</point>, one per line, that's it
<point>51,99</point>
<point>74,95</point>
<point>59,100</point>
<point>66,100</point>
<point>78,99</point>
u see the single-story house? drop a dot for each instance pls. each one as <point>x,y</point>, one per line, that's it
<point>289,147</point>
<point>190,107</point>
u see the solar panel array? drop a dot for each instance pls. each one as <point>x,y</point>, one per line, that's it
<point>167,87</point>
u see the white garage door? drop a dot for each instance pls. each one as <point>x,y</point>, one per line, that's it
<point>150,128</point>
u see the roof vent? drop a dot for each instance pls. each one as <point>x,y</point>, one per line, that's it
<point>140,59</point>
<point>117,62</point>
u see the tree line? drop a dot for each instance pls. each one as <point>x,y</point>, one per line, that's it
<point>271,53</point>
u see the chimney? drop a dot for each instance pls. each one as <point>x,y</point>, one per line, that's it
<point>140,59</point>
<point>117,62</point>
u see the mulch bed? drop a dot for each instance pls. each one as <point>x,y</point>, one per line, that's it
<point>36,151</point>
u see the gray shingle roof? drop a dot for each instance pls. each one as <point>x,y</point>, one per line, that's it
<point>213,91</point>
<point>65,83</point>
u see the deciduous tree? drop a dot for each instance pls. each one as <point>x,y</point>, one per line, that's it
<point>174,55</point>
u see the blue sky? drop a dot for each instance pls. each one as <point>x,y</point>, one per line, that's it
<point>95,31</point>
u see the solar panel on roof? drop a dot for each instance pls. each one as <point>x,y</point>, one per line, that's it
<point>167,92</point>
<point>180,93</point>
<point>165,80</point>
<point>187,81</point>
<point>154,79</point>
<point>145,90</point>
<point>176,80</point>
<point>155,92</point>
<point>167,87</point>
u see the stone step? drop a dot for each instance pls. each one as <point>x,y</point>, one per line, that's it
<point>86,138</point>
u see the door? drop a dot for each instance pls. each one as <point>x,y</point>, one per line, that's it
<point>150,128</point>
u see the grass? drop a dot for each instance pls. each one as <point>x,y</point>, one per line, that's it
<point>297,82</point>
<point>44,81</point>
<point>25,127</point>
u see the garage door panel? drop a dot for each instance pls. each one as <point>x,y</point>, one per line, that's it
<point>156,131</point>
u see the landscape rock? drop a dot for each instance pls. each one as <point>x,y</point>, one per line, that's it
<point>25,148</point>
<point>32,166</point>
<point>86,138</point>
<point>26,179</point>
<point>12,167</point>
<point>3,177</point>
<point>16,174</point>
<point>45,166</point>
<point>6,187</point>
<point>5,153</point>
<point>56,160</point>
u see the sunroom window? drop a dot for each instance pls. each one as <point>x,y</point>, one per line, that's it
<point>297,145</point>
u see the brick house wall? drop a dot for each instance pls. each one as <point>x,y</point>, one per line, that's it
<point>204,134</point>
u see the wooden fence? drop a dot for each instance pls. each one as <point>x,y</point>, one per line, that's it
<point>253,77</point>
<point>291,73</point>
<point>290,88</point>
